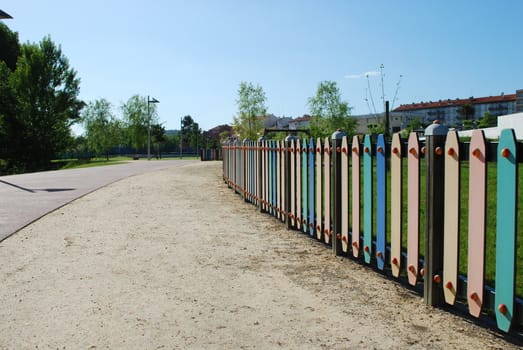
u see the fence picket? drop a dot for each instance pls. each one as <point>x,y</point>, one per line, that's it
<point>292,214</point>
<point>413,209</point>
<point>396,203</point>
<point>367,199</point>
<point>344,195</point>
<point>312,153</point>
<point>476,233</point>
<point>327,200</point>
<point>319,189</point>
<point>304,185</point>
<point>283,172</point>
<point>451,218</point>
<point>506,224</point>
<point>355,196</point>
<point>381,201</point>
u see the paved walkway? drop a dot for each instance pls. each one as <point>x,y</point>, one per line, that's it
<point>27,197</point>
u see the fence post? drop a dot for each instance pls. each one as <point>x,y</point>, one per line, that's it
<point>336,138</point>
<point>435,171</point>
<point>288,193</point>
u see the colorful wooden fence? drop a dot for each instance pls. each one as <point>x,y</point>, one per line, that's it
<point>350,195</point>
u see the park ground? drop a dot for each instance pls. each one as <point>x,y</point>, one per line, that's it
<point>173,259</point>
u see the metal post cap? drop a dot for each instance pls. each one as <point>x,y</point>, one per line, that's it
<point>338,135</point>
<point>436,129</point>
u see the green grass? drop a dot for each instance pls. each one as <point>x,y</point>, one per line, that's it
<point>88,163</point>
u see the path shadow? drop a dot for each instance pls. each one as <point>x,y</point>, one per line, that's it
<point>37,190</point>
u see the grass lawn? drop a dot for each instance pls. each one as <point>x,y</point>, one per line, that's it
<point>87,163</point>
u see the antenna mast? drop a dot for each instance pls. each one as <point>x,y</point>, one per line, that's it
<point>396,92</point>
<point>382,87</point>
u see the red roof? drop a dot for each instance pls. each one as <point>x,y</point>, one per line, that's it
<point>302,119</point>
<point>456,102</point>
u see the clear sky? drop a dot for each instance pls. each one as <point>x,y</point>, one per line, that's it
<point>191,55</point>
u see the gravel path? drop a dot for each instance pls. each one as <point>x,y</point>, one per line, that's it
<point>175,260</point>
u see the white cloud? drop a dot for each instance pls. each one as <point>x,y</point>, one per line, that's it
<point>363,75</point>
<point>372,74</point>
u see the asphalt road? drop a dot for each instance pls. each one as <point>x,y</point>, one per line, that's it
<point>27,197</point>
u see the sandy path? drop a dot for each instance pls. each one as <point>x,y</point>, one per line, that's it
<point>174,259</point>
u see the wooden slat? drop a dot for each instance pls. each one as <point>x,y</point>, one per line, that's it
<point>272,177</point>
<point>381,205</point>
<point>367,199</point>
<point>396,204</point>
<point>327,192</point>
<point>312,153</point>
<point>451,218</point>
<point>477,212</point>
<point>278,179</point>
<point>265,176</point>
<point>319,189</point>
<point>506,224</point>
<point>283,204</point>
<point>413,187</point>
<point>298,184</point>
<point>304,186</point>
<point>344,194</point>
<point>292,151</point>
<point>355,241</point>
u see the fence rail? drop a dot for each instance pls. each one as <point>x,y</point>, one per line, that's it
<point>382,203</point>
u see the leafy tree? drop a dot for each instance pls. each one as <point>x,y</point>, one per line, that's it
<point>187,126</point>
<point>44,106</point>
<point>377,128</point>
<point>329,112</point>
<point>251,106</point>
<point>9,47</point>
<point>468,124</point>
<point>191,132</point>
<point>103,130</point>
<point>137,121</point>
<point>158,137</point>
<point>487,120</point>
<point>466,111</point>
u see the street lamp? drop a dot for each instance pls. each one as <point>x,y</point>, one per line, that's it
<point>4,15</point>
<point>149,101</point>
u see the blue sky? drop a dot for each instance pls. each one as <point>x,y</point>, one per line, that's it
<point>191,55</point>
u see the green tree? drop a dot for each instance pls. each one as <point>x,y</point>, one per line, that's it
<point>158,138</point>
<point>415,124</point>
<point>487,121</point>
<point>9,47</point>
<point>45,95</point>
<point>191,133</point>
<point>466,111</point>
<point>103,130</point>
<point>329,112</point>
<point>137,121</point>
<point>251,107</point>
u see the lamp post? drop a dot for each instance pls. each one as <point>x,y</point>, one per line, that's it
<point>4,15</point>
<point>149,101</point>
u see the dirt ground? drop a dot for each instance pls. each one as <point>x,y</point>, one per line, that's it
<point>175,260</point>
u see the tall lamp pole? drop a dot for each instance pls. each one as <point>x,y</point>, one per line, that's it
<point>149,101</point>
